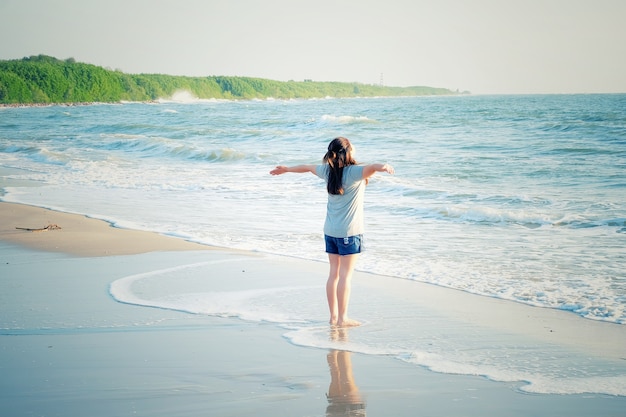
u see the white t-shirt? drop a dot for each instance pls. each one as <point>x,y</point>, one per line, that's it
<point>344,213</point>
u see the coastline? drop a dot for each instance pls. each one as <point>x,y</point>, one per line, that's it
<point>18,105</point>
<point>72,104</point>
<point>69,348</point>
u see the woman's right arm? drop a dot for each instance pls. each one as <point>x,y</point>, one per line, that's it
<point>299,169</point>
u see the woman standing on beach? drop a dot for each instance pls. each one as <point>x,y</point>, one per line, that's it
<point>344,225</point>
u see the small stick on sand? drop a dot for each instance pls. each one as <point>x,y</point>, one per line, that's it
<point>42,229</point>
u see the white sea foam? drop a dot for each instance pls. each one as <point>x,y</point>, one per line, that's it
<point>183,96</point>
<point>346,119</point>
<point>173,289</point>
<point>611,385</point>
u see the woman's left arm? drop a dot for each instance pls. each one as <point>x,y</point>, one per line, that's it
<point>369,170</point>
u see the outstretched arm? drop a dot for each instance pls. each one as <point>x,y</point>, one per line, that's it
<point>299,169</point>
<point>369,170</point>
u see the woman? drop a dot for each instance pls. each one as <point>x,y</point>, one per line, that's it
<point>343,228</point>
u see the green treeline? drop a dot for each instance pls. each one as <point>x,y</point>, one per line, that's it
<point>44,79</point>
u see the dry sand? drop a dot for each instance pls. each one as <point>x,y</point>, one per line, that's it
<point>79,235</point>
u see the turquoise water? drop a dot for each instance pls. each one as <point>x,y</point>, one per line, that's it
<point>515,197</point>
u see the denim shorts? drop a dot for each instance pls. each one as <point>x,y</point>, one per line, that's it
<point>344,245</point>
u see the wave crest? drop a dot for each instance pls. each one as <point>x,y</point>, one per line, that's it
<point>163,147</point>
<point>346,119</point>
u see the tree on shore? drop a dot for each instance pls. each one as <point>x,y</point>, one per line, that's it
<point>44,79</point>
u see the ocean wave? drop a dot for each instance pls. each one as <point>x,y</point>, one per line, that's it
<point>26,149</point>
<point>163,147</point>
<point>185,97</point>
<point>558,127</point>
<point>577,222</point>
<point>474,214</point>
<point>346,119</point>
<point>495,210</point>
<point>582,150</point>
<point>37,154</point>
<point>492,216</point>
<point>522,217</point>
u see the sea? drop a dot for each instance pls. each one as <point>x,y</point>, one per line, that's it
<point>515,197</point>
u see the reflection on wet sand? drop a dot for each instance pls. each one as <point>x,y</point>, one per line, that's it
<point>343,395</point>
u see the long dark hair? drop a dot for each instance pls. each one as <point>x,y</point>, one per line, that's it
<point>339,155</point>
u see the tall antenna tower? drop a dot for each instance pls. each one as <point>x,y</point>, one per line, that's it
<point>381,80</point>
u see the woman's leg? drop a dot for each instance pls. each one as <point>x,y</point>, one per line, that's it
<point>331,287</point>
<point>338,288</point>
<point>344,287</point>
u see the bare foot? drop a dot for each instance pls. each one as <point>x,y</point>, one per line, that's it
<point>348,323</point>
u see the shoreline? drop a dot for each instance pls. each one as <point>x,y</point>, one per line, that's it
<point>158,101</point>
<point>69,347</point>
<point>72,104</point>
<point>81,236</point>
<point>20,105</point>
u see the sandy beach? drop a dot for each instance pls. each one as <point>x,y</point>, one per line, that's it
<point>69,348</point>
<point>79,235</point>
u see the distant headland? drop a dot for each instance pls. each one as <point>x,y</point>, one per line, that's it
<point>44,80</point>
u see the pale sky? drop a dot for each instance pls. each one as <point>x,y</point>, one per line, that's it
<point>484,46</point>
